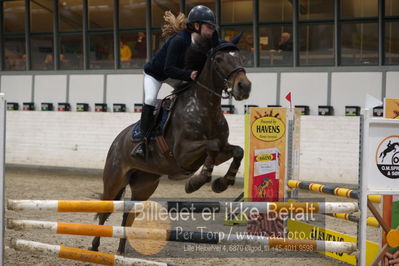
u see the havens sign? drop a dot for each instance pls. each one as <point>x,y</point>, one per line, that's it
<point>268,128</point>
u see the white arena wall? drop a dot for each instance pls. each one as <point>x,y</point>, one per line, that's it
<point>329,145</point>
<point>80,140</point>
<point>309,88</point>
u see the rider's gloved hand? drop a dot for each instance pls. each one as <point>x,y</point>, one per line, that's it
<point>193,75</point>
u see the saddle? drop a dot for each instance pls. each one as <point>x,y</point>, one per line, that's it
<point>163,112</point>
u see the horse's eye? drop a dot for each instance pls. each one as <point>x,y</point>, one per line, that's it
<point>218,59</point>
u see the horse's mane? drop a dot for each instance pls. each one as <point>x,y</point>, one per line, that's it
<point>196,54</point>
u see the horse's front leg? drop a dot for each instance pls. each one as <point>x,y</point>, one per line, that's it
<point>205,176</point>
<point>221,184</point>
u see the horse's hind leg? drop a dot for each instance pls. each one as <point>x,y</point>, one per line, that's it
<point>142,186</point>
<point>114,187</point>
<point>221,184</point>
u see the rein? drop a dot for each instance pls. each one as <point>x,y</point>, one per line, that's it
<point>223,77</point>
<point>176,92</point>
<point>212,91</point>
<point>225,80</point>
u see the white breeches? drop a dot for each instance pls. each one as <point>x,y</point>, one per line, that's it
<point>151,89</point>
<point>152,86</point>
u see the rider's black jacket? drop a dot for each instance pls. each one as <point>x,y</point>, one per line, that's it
<point>168,62</point>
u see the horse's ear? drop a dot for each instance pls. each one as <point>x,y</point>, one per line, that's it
<point>237,38</point>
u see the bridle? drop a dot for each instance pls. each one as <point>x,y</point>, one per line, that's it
<point>227,88</point>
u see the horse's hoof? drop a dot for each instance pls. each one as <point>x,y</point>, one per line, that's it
<point>189,187</point>
<point>196,182</point>
<point>221,184</point>
<point>92,249</point>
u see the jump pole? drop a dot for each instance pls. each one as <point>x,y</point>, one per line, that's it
<point>2,163</point>
<point>64,252</point>
<point>340,192</point>
<point>371,221</point>
<point>127,206</point>
<point>331,190</point>
<point>182,236</point>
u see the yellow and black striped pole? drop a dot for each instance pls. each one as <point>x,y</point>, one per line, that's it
<point>371,221</point>
<point>331,190</point>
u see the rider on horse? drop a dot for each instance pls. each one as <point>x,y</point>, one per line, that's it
<point>167,66</point>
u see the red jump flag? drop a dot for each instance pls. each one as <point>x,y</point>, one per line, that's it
<point>288,98</point>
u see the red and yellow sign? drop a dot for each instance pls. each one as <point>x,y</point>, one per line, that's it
<point>266,148</point>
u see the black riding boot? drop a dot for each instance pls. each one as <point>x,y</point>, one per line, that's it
<point>146,122</point>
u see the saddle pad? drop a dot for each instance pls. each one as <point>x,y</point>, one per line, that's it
<point>136,135</point>
<point>161,118</point>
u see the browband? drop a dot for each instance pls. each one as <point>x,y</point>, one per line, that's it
<point>222,46</point>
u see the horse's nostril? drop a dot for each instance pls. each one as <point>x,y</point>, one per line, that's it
<point>243,85</point>
<point>244,88</point>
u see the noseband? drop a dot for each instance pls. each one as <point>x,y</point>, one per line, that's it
<point>226,78</point>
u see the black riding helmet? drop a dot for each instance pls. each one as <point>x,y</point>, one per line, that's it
<point>200,14</point>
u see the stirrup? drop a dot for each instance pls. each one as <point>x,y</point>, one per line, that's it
<point>140,150</point>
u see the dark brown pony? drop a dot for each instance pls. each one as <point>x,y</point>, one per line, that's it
<point>197,135</point>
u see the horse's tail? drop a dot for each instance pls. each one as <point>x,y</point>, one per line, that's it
<point>173,24</point>
<point>117,197</point>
